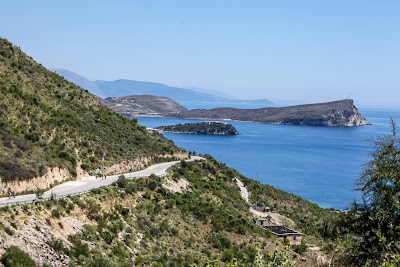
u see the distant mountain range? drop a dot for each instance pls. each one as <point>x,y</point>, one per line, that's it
<point>119,88</point>
<point>80,81</point>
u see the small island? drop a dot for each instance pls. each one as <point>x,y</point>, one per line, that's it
<point>211,128</point>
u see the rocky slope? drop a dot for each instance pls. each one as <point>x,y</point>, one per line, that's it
<point>336,113</point>
<point>143,105</point>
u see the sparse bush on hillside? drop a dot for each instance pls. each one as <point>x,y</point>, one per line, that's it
<point>10,171</point>
<point>15,257</point>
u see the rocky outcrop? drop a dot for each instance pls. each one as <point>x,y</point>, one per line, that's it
<point>336,113</point>
<point>53,176</point>
<point>137,164</point>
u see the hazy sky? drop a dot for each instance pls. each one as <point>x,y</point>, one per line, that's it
<point>298,51</point>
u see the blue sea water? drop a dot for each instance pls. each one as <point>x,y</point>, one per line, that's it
<point>320,164</point>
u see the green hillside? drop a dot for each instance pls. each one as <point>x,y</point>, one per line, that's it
<point>142,223</point>
<point>46,121</point>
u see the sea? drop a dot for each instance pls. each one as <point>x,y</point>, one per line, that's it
<point>320,164</point>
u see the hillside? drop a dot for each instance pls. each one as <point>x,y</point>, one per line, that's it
<point>143,105</point>
<point>51,130</point>
<point>336,113</point>
<point>209,128</point>
<point>194,216</point>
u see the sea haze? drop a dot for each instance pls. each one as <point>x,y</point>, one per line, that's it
<point>320,164</point>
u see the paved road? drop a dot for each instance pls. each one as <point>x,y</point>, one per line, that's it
<point>89,183</point>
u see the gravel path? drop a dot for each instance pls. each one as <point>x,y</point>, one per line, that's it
<point>243,190</point>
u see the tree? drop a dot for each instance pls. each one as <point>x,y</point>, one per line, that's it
<point>375,221</point>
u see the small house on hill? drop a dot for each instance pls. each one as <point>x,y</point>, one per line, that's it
<point>284,232</point>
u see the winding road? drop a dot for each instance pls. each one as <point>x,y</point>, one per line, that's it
<point>90,182</point>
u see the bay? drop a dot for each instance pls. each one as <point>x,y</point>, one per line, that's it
<point>320,164</point>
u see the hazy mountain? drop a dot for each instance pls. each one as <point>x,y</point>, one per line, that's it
<point>125,87</point>
<point>212,92</point>
<point>80,81</point>
<point>129,87</point>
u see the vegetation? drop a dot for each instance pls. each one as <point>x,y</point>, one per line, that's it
<point>140,222</point>
<point>213,128</point>
<point>15,257</point>
<point>373,225</point>
<point>46,121</point>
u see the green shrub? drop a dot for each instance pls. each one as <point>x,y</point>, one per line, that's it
<point>122,182</point>
<point>301,248</point>
<point>15,257</point>
<point>56,213</point>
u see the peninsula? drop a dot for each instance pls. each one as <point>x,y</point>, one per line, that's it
<point>336,113</point>
<point>210,128</point>
<point>142,105</point>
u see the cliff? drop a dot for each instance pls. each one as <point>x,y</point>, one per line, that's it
<point>336,113</point>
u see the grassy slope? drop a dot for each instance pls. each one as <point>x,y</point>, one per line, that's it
<point>48,121</point>
<point>140,222</point>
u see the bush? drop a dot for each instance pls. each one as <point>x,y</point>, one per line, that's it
<point>122,182</point>
<point>56,213</point>
<point>15,257</point>
<point>11,171</point>
<point>301,248</point>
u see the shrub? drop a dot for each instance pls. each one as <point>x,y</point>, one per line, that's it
<point>122,182</point>
<point>56,213</point>
<point>11,171</point>
<point>301,248</point>
<point>15,257</point>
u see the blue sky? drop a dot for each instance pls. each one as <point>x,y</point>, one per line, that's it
<point>292,51</point>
